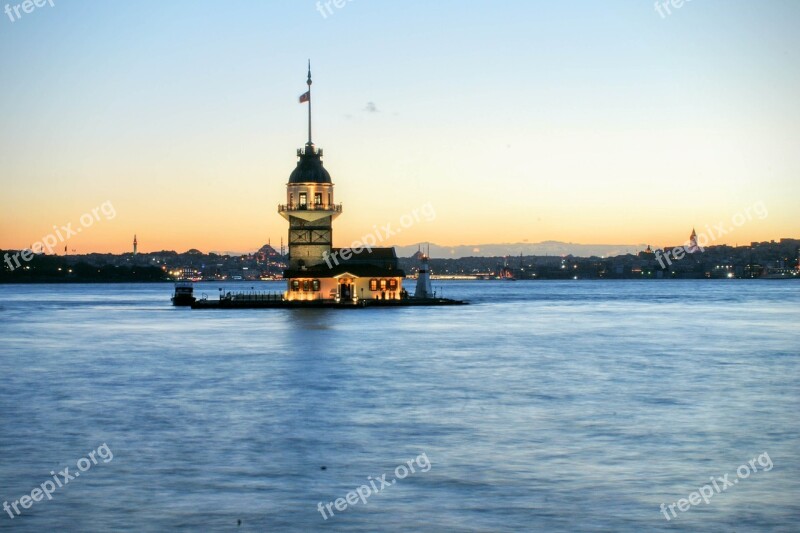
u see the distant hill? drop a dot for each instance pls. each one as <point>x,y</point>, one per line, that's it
<point>524,248</point>
<point>500,250</point>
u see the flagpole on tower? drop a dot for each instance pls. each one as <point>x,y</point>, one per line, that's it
<point>309,101</point>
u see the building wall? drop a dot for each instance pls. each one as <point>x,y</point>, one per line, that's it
<point>309,242</point>
<point>329,287</point>
<point>326,285</point>
<point>368,294</point>
<point>324,189</point>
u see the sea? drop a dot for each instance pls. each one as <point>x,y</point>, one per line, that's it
<point>541,406</point>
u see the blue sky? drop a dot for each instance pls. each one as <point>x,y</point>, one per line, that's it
<point>577,121</point>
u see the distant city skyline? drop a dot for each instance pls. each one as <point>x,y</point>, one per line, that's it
<point>515,121</point>
<point>499,249</point>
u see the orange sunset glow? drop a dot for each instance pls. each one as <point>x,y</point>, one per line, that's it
<point>528,149</point>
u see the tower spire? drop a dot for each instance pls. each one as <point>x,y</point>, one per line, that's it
<point>308,82</point>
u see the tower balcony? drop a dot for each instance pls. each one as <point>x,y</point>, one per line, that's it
<point>309,212</point>
<point>335,208</point>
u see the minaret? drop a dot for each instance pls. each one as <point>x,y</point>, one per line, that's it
<point>309,204</point>
<point>135,245</point>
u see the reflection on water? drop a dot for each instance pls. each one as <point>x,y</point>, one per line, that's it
<point>542,406</point>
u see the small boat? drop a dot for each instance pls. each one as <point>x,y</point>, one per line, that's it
<point>184,294</point>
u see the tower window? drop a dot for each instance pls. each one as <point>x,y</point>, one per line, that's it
<point>317,199</point>
<point>329,199</point>
<point>303,200</point>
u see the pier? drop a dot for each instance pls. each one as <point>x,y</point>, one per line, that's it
<point>277,300</point>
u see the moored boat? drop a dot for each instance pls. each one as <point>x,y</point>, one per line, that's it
<point>184,294</point>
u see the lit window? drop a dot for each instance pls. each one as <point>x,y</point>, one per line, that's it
<point>305,285</point>
<point>317,198</point>
<point>373,284</point>
<point>295,285</point>
<point>383,284</point>
<point>303,200</point>
<point>315,285</point>
<point>393,284</point>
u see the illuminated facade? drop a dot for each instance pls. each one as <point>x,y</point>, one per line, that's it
<point>317,271</point>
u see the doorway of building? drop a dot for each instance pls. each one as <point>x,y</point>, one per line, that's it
<point>345,289</point>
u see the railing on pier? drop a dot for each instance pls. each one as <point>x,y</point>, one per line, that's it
<point>252,296</point>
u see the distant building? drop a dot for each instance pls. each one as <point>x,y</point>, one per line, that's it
<point>693,247</point>
<point>647,254</point>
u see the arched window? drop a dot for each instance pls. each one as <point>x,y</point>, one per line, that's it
<point>305,285</point>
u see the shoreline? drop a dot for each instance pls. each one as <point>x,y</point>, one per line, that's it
<point>537,280</point>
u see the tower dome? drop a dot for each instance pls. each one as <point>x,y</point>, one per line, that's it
<point>309,167</point>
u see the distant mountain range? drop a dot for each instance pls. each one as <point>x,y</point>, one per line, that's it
<point>513,249</point>
<point>524,248</point>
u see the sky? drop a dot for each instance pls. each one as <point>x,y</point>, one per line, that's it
<point>507,121</point>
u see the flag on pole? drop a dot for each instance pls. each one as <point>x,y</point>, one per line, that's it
<point>305,97</point>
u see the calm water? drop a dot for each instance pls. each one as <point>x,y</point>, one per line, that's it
<point>544,406</point>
